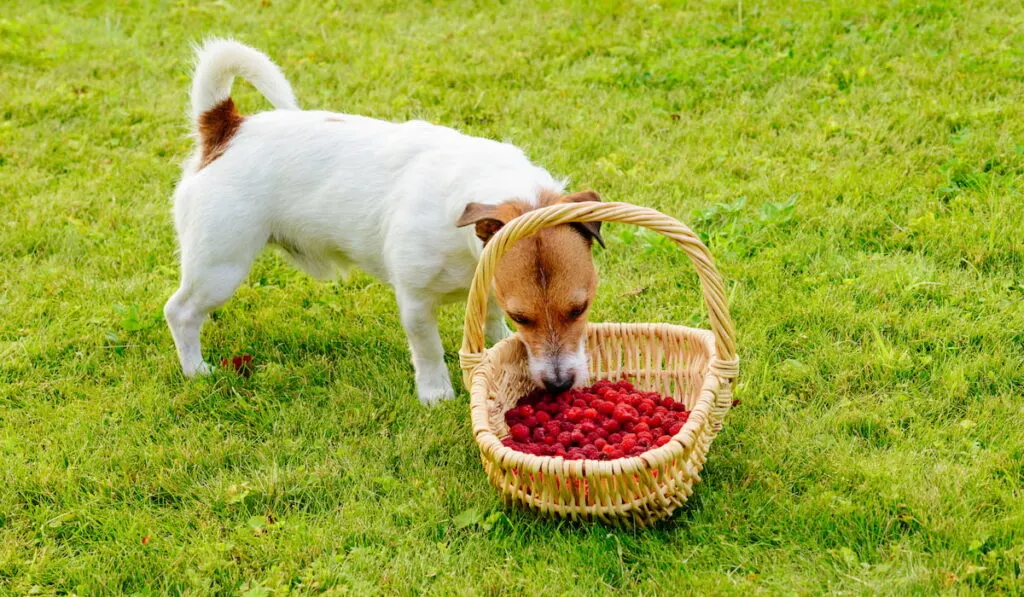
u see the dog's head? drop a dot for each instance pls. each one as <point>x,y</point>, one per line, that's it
<point>545,283</point>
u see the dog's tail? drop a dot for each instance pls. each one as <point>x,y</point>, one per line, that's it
<point>220,60</point>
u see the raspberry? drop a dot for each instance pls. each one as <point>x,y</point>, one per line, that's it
<point>530,421</point>
<point>678,407</point>
<point>591,452</point>
<point>579,403</point>
<point>543,417</point>
<point>600,444</point>
<point>577,437</point>
<point>611,425</point>
<point>602,433</point>
<point>667,402</point>
<point>625,412</point>
<point>662,441</point>
<point>614,438</point>
<point>641,427</point>
<point>645,437</point>
<point>590,413</point>
<point>629,425</point>
<point>628,442</point>
<point>549,440</point>
<point>538,434</point>
<point>574,414</point>
<point>520,432</point>
<point>576,454</point>
<point>553,427</point>
<point>604,407</point>
<point>646,406</point>
<point>608,449</point>
<point>675,428</point>
<point>616,453</point>
<point>657,421</point>
<point>565,438</point>
<point>242,364</point>
<point>525,411</point>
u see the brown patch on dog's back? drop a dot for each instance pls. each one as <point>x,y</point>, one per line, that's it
<point>217,126</point>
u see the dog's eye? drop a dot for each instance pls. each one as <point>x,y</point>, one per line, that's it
<point>577,311</point>
<point>520,319</point>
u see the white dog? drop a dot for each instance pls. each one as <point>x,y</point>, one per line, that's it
<point>337,190</point>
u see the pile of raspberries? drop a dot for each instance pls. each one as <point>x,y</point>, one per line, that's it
<point>605,421</point>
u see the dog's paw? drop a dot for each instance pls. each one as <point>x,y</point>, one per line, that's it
<point>203,368</point>
<point>429,396</point>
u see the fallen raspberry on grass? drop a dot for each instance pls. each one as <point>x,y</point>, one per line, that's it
<point>241,364</point>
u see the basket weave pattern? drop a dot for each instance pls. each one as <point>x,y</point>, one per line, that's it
<point>694,366</point>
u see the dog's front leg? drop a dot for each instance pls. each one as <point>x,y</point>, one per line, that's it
<point>419,318</point>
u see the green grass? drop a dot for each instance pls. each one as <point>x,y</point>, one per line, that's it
<point>856,168</point>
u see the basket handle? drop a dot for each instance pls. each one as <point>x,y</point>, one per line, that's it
<point>473,349</point>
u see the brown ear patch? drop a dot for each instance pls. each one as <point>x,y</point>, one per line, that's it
<point>490,218</point>
<point>589,230</point>
<point>217,126</point>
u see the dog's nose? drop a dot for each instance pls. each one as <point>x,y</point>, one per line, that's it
<point>558,385</point>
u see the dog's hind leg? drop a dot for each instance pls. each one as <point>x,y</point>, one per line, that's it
<point>208,279</point>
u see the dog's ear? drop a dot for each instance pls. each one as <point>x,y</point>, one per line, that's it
<point>489,218</point>
<point>590,230</point>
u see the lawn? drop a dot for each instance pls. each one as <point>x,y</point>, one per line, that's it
<point>855,167</point>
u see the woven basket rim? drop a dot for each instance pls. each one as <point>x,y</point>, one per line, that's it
<point>490,443</point>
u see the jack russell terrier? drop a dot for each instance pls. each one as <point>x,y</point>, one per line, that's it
<point>396,200</point>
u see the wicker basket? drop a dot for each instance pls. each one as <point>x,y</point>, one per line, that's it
<point>694,366</point>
